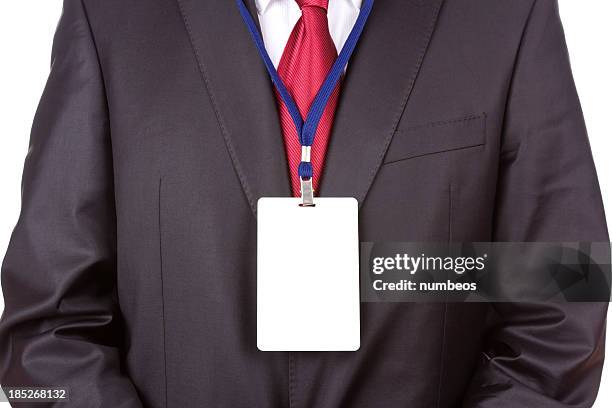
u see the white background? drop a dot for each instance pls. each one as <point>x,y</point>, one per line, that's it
<point>26,32</point>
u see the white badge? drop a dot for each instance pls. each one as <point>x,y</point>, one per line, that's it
<point>307,275</point>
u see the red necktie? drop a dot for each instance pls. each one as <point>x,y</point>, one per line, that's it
<point>308,56</point>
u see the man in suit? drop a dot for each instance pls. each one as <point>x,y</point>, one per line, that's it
<point>130,277</point>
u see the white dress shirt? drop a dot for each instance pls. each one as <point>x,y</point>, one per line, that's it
<point>278,17</point>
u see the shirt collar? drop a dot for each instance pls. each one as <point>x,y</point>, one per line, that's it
<point>262,5</point>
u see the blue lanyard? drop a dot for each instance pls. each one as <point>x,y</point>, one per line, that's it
<point>306,130</point>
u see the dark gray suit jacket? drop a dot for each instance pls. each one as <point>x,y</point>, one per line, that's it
<point>130,277</point>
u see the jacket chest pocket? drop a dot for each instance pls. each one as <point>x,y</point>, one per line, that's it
<point>437,137</point>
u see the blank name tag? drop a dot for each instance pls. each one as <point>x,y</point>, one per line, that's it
<point>307,275</point>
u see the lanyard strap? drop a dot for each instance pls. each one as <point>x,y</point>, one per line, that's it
<point>307,129</point>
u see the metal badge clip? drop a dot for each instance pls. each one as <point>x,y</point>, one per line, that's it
<point>306,183</point>
<point>307,192</point>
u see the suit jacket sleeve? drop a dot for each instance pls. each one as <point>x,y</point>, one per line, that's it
<point>547,355</point>
<point>61,325</point>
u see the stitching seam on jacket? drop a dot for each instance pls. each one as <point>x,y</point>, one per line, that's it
<point>444,123</point>
<point>444,317</point>
<point>163,306</point>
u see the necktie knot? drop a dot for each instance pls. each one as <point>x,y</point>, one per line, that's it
<point>313,3</point>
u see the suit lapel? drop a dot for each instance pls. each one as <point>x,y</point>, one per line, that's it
<point>375,91</point>
<point>241,94</point>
